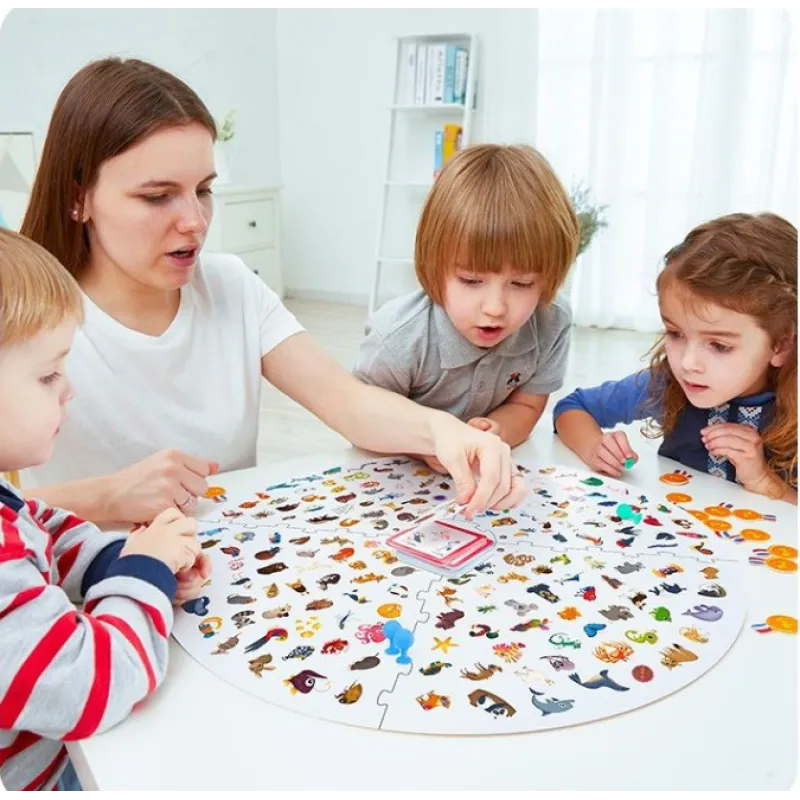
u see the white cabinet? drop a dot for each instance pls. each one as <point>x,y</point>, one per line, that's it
<point>246,222</point>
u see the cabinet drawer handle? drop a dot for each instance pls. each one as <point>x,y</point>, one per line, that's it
<point>252,223</point>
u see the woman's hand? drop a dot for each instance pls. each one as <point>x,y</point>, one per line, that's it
<point>167,479</point>
<point>480,464</point>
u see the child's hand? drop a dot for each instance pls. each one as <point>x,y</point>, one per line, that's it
<point>190,581</point>
<point>171,537</point>
<point>485,424</point>
<point>610,453</point>
<point>742,446</point>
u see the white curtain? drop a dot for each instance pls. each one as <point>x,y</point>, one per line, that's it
<point>672,117</point>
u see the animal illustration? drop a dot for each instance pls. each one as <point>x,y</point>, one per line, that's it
<point>639,599</point>
<point>613,652</point>
<point>601,681</point>
<point>480,673</point>
<point>491,703</point>
<point>694,635</point>
<point>712,590</point>
<point>307,681</point>
<point>614,583</point>
<point>240,599</point>
<point>334,647</point>
<point>528,676</point>
<point>661,614</point>
<point>243,618</point>
<point>432,700</point>
<point>522,609</point>
<point>370,662</point>
<point>434,668</point>
<point>627,568</point>
<point>616,613</point>
<point>319,605</point>
<point>281,634</point>
<point>302,653</point>
<point>549,705</point>
<point>277,613</point>
<point>447,620</point>
<point>704,613</point>
<point>328,580</point>
<point>675,655</point>
<point>226,646</point>
<point>352,694</point>
<point>261,664</point>
<point>271,569</point>
<point>531,624</point>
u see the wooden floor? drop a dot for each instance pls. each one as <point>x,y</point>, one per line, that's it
<point>287,430</point>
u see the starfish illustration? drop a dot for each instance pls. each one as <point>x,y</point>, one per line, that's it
<point>444,644</point>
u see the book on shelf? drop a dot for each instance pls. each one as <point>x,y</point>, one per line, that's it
<point>447,142</point>
<point>437,58</point>
<point>434,73</point>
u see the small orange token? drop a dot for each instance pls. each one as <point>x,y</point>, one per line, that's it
<point>717,511</point>
<point>390,610</point>
<point>781,564</point>
<point>718,525</point>
<point>754,535</point>
<point>701,515</point>
<point>674,479</point>
<point>782,624</point>
<point>782,551</point>
<point>746,513</point>
<point>214,491</point>
<point>679,497</point>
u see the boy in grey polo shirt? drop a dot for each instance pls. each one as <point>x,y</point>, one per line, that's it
<point>486,338</point>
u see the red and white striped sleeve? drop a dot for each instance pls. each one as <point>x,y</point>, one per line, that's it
<point>67,674</point>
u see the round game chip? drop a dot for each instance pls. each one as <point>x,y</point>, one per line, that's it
<point>642,674</point>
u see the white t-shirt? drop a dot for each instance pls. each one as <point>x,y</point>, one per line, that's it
<point>196,388</point>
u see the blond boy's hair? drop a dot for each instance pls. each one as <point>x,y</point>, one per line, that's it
<point>493,207</point>
<point>36,292</point>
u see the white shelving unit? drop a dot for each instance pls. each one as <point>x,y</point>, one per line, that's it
<point>410,148</point>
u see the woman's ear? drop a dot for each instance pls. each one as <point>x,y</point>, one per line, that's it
<point>783,351</point>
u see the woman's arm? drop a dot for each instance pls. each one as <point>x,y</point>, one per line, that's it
<point>138,493</point>
<point>382,421</point>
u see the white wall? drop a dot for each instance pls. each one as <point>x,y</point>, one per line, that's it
<point>228,57</point>
<point>335,73</point>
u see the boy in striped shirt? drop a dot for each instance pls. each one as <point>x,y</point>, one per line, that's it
<point>68,673</point>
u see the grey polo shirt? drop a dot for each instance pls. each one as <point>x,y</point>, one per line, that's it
<point>412,348</point>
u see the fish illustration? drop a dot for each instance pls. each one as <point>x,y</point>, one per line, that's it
<point>549,705</point>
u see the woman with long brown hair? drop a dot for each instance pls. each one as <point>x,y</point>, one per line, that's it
<point>722,385</point>
<point>168,366</point>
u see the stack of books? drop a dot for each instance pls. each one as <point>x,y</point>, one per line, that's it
<point>436,74</point>
<point>446,143</point>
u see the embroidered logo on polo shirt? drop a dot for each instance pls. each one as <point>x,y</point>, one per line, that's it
<point>513,380</point>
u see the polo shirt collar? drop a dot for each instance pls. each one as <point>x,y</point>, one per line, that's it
<point>456,351</point>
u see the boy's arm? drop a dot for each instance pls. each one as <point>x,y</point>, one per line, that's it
<point>376,366</point>
<point>580,416</point>
<point>81,552</point>
<point>68,674</point>
<point>517,417</point>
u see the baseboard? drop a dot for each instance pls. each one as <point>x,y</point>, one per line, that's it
<point>344,298</point>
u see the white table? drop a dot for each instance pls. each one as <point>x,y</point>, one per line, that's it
<point>734,729</point>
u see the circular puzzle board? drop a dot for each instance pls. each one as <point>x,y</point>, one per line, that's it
<point>576,615</point>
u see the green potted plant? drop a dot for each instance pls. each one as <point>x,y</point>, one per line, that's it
<point>225,132</point>
<point>591,217</point>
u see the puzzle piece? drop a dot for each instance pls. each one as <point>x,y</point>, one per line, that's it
<point>559,625</point>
